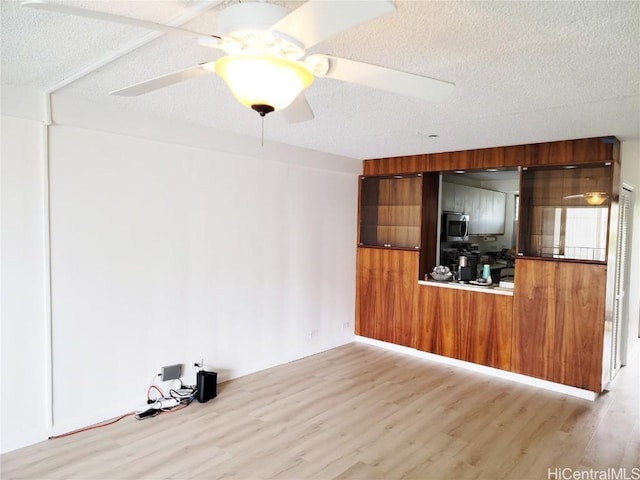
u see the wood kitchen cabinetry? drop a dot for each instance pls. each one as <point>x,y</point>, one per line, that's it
<point>564,212</point>
<point>564,152</point>
<point>390,211</point>
<point>486,208</point>
<point>558,322</point>
<point>470,326</point>
<point>553,327</point>
<point>386,294</point>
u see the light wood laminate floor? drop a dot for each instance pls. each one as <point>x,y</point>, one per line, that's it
<point>358,411</point>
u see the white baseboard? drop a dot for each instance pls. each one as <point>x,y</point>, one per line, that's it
<point>494,372</point>
<point>23,440</point>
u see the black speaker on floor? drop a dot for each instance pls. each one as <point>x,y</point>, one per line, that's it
<point>207,384</point>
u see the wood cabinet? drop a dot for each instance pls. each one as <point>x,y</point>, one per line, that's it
<point>564,212</point>
<point>564,152</point>
<point>486,208</point>
<point>553,326</point>
<point>390,211</point>
<point>386,294</point>
<point>558,324</point>
<point>470,326</point>
<point>571,152</point>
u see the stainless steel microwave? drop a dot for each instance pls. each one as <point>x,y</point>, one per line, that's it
<point>455,227</point>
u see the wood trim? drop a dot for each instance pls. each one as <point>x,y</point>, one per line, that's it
<point>430,220</point>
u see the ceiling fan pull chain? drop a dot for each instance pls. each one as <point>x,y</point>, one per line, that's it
<point>262,136</point>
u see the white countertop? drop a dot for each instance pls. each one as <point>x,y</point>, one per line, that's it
<point>494,289</point>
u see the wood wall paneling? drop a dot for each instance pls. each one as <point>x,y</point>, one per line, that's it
<point>386,294</point>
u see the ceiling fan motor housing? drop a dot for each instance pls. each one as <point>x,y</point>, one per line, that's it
<point>249,24</point>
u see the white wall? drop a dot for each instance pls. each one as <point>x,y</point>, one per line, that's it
<point>630,157</point>
<point>24,326</point>
<point>162,253</point>
<point>168,254</point>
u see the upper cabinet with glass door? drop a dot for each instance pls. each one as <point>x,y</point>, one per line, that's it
<point>564,212</point>
<point>390,211</point>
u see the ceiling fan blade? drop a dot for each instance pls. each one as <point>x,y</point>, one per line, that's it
<point>165,80</point>
<point>109,17</point>
<point>299,111</point>
<point>383,78</point>
<point>317,20</point>
<point>580,195</point>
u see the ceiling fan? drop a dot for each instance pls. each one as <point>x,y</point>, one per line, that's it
<point>265,66</point>
<point>592,198</point>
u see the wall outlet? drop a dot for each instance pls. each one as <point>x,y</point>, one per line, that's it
<point>346,325</point>
<point>171,372</point>
<point>313,333</point>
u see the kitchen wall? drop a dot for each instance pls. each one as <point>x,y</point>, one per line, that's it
<point>166,247</point>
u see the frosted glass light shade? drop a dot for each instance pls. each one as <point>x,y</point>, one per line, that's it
<point>263,80</point>
<point>595,198</point>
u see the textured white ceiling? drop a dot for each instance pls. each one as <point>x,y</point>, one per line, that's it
<point>525,72</point>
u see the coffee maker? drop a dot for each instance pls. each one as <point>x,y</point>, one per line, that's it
<point>467,267</point>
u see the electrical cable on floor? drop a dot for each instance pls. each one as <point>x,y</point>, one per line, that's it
<point>92,427</point>
<point>184,396</point>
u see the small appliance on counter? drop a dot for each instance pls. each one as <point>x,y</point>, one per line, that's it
<point>466,272</point>
<point>450,253</point>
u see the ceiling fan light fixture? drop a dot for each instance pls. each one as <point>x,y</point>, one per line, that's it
<point>263,80</point>
<point>595,198</point>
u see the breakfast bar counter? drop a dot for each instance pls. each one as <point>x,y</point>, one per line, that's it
<point>493,288</point>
